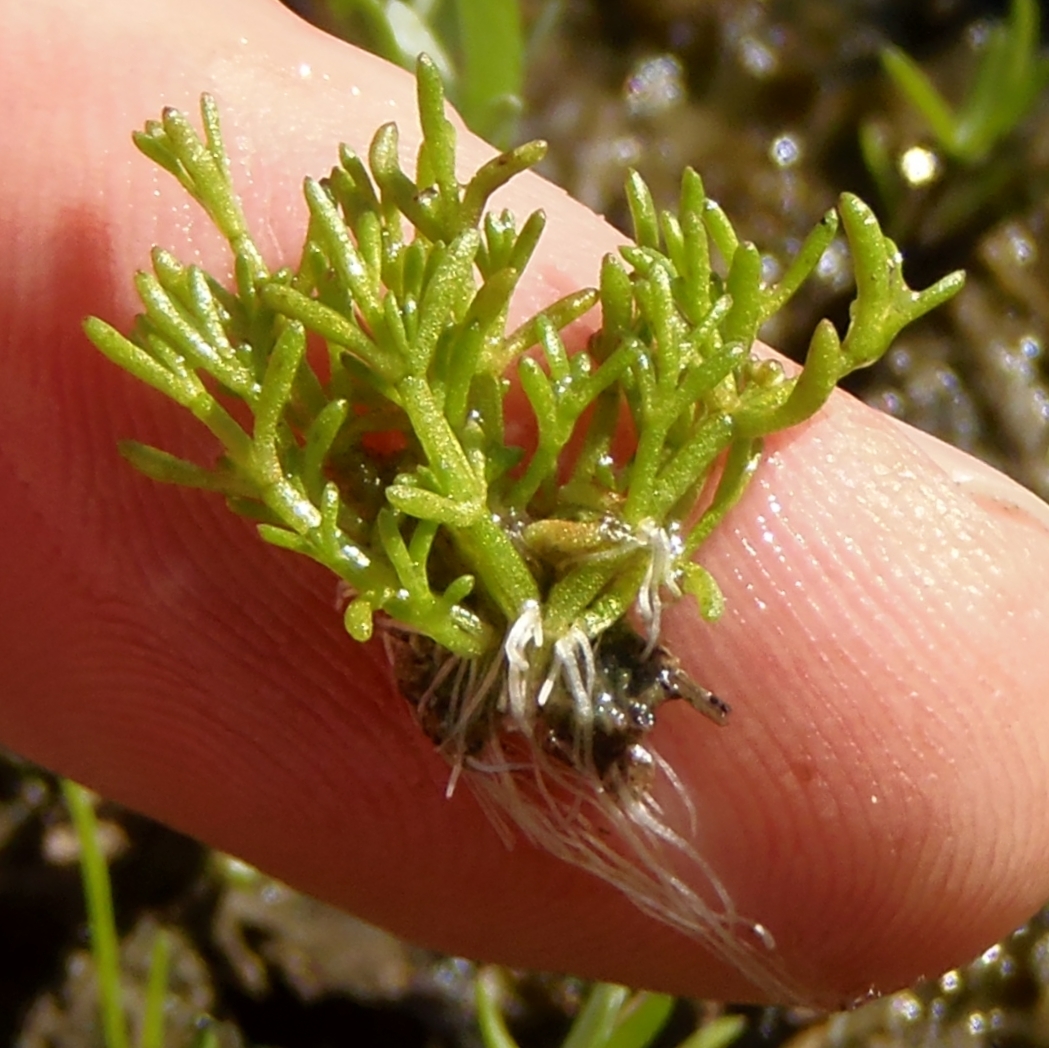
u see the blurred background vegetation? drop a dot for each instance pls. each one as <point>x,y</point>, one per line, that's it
<point>935,112</point>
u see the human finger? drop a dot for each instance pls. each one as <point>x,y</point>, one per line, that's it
<point>163,655</point>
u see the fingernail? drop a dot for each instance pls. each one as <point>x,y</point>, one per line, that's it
<point>978,479</point>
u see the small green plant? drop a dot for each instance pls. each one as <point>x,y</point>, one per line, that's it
<point>502,572</point>
<point>611,1017</point>
<point>1011,75</point>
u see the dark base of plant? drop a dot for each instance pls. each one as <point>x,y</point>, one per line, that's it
<point>461,704</point>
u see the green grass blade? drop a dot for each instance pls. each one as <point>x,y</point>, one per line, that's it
<point>492,41</point>
<point>915,86</point>
<point>645,1016</point>
<point>98,898</point>
<point>156,992</point>
<point>413,35</point>
<point>718,1034</point>
<point>378,32</point>
<point>990,108</point>
<point>1006,82</point>
<point>594,1024</point>
<point>489,1015</point>
<point>207,1035</point>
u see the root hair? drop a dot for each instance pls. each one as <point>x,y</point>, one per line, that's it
<point>629,840</point>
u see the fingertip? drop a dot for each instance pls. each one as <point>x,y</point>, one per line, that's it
<point>882,771</point>
<point>883,650</point>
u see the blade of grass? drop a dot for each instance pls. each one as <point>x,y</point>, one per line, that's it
<point>152,1035</point>
<point>916,86</point>
<point>207,1035</point>
<point>98,899</point>
<point>492,40</point>
<point>718,1034</point>
<point>378,32</point>
<point>489,1015</point>
<point>595,1023</point>
<point>646,1015</point>
<point>393,30</point>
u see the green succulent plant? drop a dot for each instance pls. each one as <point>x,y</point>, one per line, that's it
<point>502,576</point>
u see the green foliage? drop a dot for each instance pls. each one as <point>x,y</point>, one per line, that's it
<point>477,45</point>
<point>1011,75</point>
<point>491,80</point>
<point>105,943</point>
<point>502,565</point>
<point>396,30</point>
<point>390,461</point>
<point>611,1017</point>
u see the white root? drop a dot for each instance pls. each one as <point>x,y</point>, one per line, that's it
<point>526,631</point>
<point>634,833</point>
<point>631,843</point>
<point>522,729</point>
<point>661,572</point>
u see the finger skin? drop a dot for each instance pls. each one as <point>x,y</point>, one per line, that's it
<point>878,798</point>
